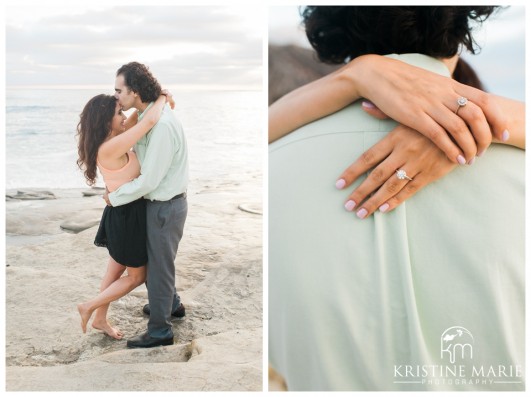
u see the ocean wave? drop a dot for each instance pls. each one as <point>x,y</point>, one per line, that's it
<point>41,143</point>
<point>26,108</point>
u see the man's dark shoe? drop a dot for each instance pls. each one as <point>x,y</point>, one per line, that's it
<point>145,340</point>
<point>179,312</point>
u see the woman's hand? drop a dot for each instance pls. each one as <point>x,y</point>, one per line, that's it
<point>427,102</point>
<point>402,149</point>
<point>169,98</point>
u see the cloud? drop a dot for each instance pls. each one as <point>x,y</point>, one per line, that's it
<point>210,45</point>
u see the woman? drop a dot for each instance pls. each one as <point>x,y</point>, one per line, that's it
<point>400,90</point>
<point>105,141</point>
<point>373,305</point>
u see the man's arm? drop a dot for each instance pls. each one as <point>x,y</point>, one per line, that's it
<point>156,163</point>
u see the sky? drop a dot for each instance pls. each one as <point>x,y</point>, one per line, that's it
<point>500,64</point>
<point>84,45</point>
<point>202,46</point>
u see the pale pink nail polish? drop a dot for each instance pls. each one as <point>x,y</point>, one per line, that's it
<point>461,160</point>
<point>472,161</point>
<point>481,153</point>
<point>505,136</point>
<point>362,213</point>
<point>340,183</point>
<point>368,105</point>
<point>384,207</point>
<point>349,205</point>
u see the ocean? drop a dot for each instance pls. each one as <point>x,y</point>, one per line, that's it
<point>223,129</point>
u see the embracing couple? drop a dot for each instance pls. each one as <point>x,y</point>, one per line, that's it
<point>146,198</point>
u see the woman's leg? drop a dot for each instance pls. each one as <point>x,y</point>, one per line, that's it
<point>114,272</point>
<point>116,289</point>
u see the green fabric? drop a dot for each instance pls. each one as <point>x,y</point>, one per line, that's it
<point>352,301</point>
<point>163,157</point>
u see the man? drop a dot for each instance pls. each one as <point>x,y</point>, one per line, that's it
<point>163,180</point>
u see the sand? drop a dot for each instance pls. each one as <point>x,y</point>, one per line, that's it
<point>52,264</point>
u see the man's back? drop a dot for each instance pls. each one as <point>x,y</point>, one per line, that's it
<point>353,302</point>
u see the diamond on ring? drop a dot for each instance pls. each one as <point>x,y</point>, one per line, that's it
<point>461,101</point>
<point>401,174</point>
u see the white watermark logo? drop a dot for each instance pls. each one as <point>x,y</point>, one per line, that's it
<point>456,366</point>
<point>457,343</point>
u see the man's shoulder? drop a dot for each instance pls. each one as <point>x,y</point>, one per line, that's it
<point>351,119</point>
<point>168,127</point>
<point>169,118</point>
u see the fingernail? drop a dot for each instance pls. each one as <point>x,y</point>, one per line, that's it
<point>362,213</point>
<point>384,207</point>
<point>481,153</point>
<point>368,105</point>
<point>340,184</point>
<point>472,161</point>
<point>349,205</point>
<point>461,160</point>
<point>505,136</point>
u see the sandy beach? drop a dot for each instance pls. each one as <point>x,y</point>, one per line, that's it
<point>52,264</point>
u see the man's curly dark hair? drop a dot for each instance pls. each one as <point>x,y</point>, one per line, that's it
<point>139,79</point>
<point>341,33</point>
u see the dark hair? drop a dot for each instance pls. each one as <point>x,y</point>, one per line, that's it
<point>464,73</point>
<point>342,33</point>
<point>139,79</point>
<point>94,126</point>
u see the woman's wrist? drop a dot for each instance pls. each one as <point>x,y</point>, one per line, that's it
<point>515,112</point>
<point>356,74</point>
<point>168,98</point>
<point>165,94</point>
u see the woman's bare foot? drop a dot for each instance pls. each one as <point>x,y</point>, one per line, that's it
<point>85,314</point>
<point>108,329</point>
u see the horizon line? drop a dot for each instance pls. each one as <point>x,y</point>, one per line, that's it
<point>195,87</point>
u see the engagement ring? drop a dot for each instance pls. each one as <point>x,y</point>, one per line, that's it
<point>461,101</point>
<point>401,174</point>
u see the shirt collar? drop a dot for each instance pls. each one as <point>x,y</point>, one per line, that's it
<point>423,61</point>
<point>141,114</point>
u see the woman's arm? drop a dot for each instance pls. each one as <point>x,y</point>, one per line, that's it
<point>404,148</point>
<point>513,110</point>
<point>310,102</point>
<point>417,98</point>
<point>408,149</point>
<point>131,120</point>
<point>120,144</point>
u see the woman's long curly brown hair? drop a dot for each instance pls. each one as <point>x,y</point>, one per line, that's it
<point>94,127</point>
<point>342,33</point>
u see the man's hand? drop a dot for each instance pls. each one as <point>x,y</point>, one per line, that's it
<point>106,197</point>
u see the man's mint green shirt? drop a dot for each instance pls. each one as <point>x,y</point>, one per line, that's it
<point>163,157</point>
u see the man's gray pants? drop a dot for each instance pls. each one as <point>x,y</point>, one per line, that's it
<point>165,224</point>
